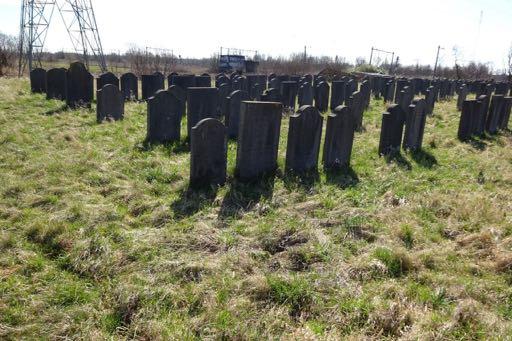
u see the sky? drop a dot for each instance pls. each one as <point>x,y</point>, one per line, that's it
<point>481,30</point>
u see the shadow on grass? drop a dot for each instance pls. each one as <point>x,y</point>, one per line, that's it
<point>476,143</point>
<point>397,158</point>
<point>344,177</point>
<point>179,147</point>
<point>424,158</point>
<point>193,200</point>
<point>58,110</point>
<point>305,180</point>
<point>242,196</point>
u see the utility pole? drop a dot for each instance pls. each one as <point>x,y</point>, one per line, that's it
<point>439,48</point>
<point>391,64</point>
<point>371,56</point>
<point>305,53</point>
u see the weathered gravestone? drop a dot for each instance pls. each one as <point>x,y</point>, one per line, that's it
<point>430,100</point>
<point>256,91</point>
<point>161,79</point>
<point>203,81</point>
<point>468,115</point>
<point>351,88</point>
<point>304,135</point>
<point>38,81</point>
<point>491,126</point>
<point>389,92</point>
<point>105,79</point>
<point>234,104</point>
<point>150,85</point>
<point>338,94</point>
<point>400,85</point>
<point>415,120</point>
<point>224,92</point>
<point>201,103</point>
<point>289,91</point>
<point>481,115</point>
<point>258,140</point>
<point>208,153</point>
<point>80,86</point>
<point>223,79</point>
<point>110,104</point>
<point>392,130</point>
<point>322,96</point>
<point>271,95</point>
<point>56,84</point>
<point>463,94</point>
<point>355,104</point>
<point>305,94</point>
<point>130,86</point>
<point>505,113</point>
<point>339,139</point>
<point>165,111</point>
<point>405,98</point>
<point>366,94</point>
<point>502,88</point>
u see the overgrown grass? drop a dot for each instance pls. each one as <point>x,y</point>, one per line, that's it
<point>101,238</point>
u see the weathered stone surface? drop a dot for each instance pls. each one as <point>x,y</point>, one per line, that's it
<point>224,92</point>
<point>430,100</point>
<point>203,81</point>
<point>201,103</point>
<point>233,113</point>
<point>258,140</point>
<point>339,139</point>
<point>289,91</point>
<point>389,94</point>
<point>493,117</point>
<point>80,86</point>
<point>415,125</point>
<point>271,95</point>
<point>105,79</point>
<point>466,124</point>
<point>481,115</point>
<point>338,94</point>
<point>130,86</point>
<point>366,94</point>
<point>405,98</point>
<point>38,81</point>
<point>322,96</point>
<point>208,153</point>
<point>305,94</point>
<point>110,104</point>
<point>165,111</point>
<point>150,85</point>
<point>463,94</point>
<point>56,84</point>
<point>392,130</point>
<point>505,113</point>
<point>304,135</point>
<point>355,104</point>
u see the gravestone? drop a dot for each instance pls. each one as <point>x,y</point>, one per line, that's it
<point>389,94</point>
<point>289,91</point>
<point>80,86</point>
<point>208,153</point>
<point>56,84</point>
<point>165,111</point>
<point>38,81</point>
<point>150,85</point>
<point>255,92</point>
<point>203,81</point>
<point>274,83</point>
<point>392,130</point>
<point>366,94</point>
<point>258,140</point>
<point>305,94</point>
<point>415,120</point>
<point>405,98</point>
<point>130,86</point>
<point>497,102</point>
<point>430,100</point>
<point>338,94</point>
<point>355,104</point>
<point>110,104</point>
<point>481,115</point>
<point>234,104</point>
<point>105,79</point>
<point>463,94</point>
<point>201,103</point>
<point>271,95</point>
<point>224,92</point>
<point>339,139</point>
<point>160,79</point>
<point>351,88</point>
<point>505,113</point>
<point>467,116</point>
<point>223,79</point>
<point>304,135</point>
<point>322,96</point>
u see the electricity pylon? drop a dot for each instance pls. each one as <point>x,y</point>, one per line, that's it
<point>79,20</point>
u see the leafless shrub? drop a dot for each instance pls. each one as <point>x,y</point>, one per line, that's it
<point>8,54</point>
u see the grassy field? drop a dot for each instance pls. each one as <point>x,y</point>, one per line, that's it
<point>100,238</point>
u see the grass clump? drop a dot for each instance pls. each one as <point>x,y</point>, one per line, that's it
<point>397,262</point>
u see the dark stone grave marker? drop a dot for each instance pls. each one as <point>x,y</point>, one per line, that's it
<point>110,104</point>
<point>56,84</point>
<point>38,81</point>
<point>339,139</point>
<point>165,111</point>
<point>80,86</point>
<point>130,86</point>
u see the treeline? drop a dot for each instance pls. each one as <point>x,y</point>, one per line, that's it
<point>146,61</point>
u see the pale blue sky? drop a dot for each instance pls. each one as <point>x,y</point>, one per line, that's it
<point>411,28</point>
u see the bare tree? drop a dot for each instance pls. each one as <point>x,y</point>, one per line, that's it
<point>8,54</point>
<point>509,64</point>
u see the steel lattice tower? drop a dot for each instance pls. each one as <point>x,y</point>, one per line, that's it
<point>79,20</point>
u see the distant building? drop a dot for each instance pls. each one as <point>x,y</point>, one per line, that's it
<point>237,63</point>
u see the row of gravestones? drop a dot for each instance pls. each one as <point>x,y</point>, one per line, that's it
<point>258,143</point>
<point>487,113</point>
